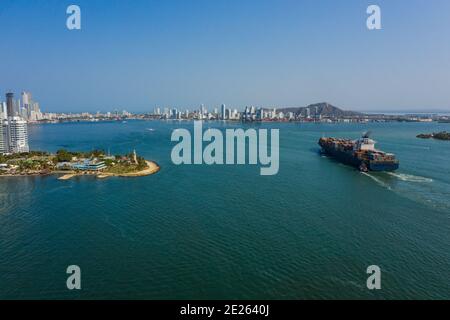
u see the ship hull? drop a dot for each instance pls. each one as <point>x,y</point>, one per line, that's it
<point>383,166</point>
<point>349,158</point>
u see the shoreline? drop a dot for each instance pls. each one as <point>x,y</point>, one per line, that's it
<point>152,168</point>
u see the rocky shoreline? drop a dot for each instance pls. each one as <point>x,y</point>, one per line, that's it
<point>438,136</point>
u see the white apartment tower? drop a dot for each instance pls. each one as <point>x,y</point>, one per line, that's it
<point>3,111</point>
<point>223,113</point>
<point>4,145</point>
<point>17,135</point>
<point>13,129</point>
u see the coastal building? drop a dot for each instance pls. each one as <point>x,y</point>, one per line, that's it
<point>3,111</point>
<point>14,130</point>
<point>89,165</point>
<point>4,145</point>
<point>291,115</point>
<point>223,113</point>
<point>26,104</point>
<point>174,113</point>
<point>17,132</point>
<point>202,111</point>
<point>260,114</point>
<point>10,104</point>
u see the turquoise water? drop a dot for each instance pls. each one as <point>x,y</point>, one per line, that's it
<point>225,232</point>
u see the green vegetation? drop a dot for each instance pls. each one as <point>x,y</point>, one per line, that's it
<point>26,163</point>
<point>63,155</point>
<point>5,158</point>
<point>44,162</point>
<point>121,168</point>
<point>439,136</point>
<point>126,165</point>
<point>442,135</point>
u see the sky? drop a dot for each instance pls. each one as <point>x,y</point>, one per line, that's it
<point>137,55</point>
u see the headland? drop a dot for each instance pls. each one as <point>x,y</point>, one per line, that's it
<point>71,164</point>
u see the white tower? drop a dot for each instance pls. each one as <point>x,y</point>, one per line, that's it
<point>18,135</point>
<point>224,111</point>
<point>4,145</point>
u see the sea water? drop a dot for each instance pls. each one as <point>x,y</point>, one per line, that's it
<point>226,232</point>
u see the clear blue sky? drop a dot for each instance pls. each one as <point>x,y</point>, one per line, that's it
<point>141,54</point>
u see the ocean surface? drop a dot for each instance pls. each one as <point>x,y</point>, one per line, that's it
<point>226,232</point>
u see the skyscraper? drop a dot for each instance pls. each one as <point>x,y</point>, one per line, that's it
<point>10,104</point>
<point>223,114</point>
<point>308,113</point>
<point>202,111</point>
<point>260,114</point>
<point>26,98</point>
<point>18,135</point>
<point>4,145</point>
<point>3,111</point>
<point>27,104</point>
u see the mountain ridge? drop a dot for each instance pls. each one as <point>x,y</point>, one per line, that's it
<point>322,108</point>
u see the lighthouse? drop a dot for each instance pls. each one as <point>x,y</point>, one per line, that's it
<point>135,157</point>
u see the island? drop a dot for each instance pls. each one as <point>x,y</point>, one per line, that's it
<point>444,135</point>
<point>70,164</point>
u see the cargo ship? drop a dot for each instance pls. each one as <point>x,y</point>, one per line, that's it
<point>360,153</point>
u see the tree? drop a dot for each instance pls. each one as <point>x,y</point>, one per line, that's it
<point>63,155</point>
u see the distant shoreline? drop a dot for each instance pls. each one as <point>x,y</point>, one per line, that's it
<point>368,118</point>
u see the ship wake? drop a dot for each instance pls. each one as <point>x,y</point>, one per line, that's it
<point>377,180</point>
<point>410,177</point>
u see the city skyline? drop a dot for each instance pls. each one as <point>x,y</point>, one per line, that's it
<point>137,57</point>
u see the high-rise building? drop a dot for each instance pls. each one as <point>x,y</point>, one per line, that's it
<point>223,113</point>
<point>27,105</point>
<point>202,111</point>
<point>4,145</point>
<point>17,135</point>
<point>17,107</point>
<point>260,114</point>
<point>10,104</point>
<point>3,111</point>
<point>26,98</point>
<point>308,113</point>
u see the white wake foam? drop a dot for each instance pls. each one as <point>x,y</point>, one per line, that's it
<point>377,180</point>
<point>410,177</point>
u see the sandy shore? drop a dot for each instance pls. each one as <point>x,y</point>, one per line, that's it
<point>152,168</point>
<point>67,176</point>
